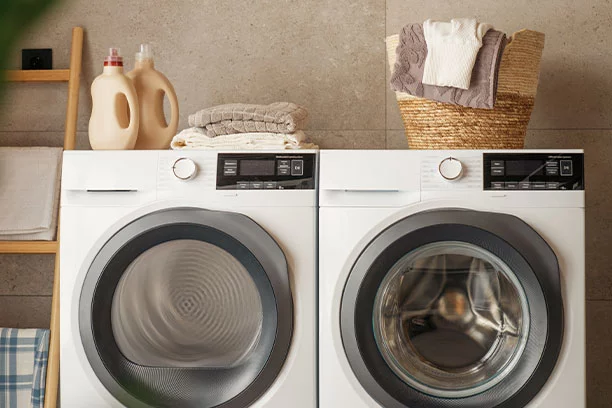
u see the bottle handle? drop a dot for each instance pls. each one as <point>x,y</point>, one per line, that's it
<point>174,107</point>
<point>132,100</point>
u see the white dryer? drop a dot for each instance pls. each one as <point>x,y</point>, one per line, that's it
<point>451,279</point>
<point>188,279</point>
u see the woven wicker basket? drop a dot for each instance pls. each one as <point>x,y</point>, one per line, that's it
<point>435,125</point>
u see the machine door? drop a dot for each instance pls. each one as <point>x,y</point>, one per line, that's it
<point>453,308</point>
<point>187,308</point>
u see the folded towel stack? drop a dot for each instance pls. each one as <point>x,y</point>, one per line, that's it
<point>29,192</point>
<point>24,354</point>
<point>244,126</point>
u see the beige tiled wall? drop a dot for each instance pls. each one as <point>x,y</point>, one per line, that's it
<point>330,56</point>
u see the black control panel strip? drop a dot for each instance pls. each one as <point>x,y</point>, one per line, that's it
<point>533,171</point>
<point>266,171</point>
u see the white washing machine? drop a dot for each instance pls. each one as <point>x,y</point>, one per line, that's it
<point>188,279</point>
<point>451,279</point>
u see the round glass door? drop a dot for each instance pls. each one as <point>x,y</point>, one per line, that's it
<point>187,307</point>
<point>186,303</point>
<point>452,308</point>
<point>451,319</point>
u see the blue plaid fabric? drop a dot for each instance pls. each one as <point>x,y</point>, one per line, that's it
<point>23,367</point>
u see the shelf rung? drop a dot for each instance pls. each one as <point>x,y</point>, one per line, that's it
<point>43,75</point>
<point>28,247</point>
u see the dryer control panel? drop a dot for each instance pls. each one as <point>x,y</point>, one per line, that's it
<point>266,171</point>
<point>533,171</point>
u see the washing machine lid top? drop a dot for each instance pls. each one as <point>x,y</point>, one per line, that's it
<point>187,307</point>
<point>451,308</point>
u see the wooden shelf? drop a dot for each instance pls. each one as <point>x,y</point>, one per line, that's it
<point>45,75</point>
<point>28,247</point>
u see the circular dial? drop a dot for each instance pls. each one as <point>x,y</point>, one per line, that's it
<point>451,168</point>
<point>184,168</point>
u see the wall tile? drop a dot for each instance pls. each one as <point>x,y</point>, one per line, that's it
<point>28,138</point>
<point>396,139</point>
<point>598,167</point>
<point>328,56</point>
<point>40,107</point>
<point>25,311</point>
<point>575,85</point>
<point>394,118</point>
<point>598,357</point>
<point>349,139</point>
<point>26,274</point>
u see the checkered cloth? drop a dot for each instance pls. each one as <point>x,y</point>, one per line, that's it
<point>23,366</point>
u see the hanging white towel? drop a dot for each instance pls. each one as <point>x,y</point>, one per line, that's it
<point>196,138</point>
<point>29,192</point>
<point>452,48</point>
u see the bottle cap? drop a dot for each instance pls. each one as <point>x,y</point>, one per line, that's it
<point>145,53</point>
<point>114,58</point>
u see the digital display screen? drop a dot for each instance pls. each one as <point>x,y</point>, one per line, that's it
<point>525,167</point>
<point>257,167</point>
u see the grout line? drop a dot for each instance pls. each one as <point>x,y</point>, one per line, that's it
<point>385,79</point>
<point>28,296</point>
<point>334,130</point>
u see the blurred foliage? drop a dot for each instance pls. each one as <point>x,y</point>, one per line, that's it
<point>16,16</point>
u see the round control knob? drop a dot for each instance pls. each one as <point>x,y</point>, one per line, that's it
<point>184,168</point>
<point>451,169</point>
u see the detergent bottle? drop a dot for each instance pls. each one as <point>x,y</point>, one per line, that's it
<point>151,86</point>
<point>114,116</point>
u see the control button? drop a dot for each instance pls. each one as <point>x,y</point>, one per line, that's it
<point>184,168</point>
<point>256,185</point>
<point>538,185</point>
<point>297,167</point>
<point>283,171</point>
<point>283,163</point>
<point>497,163</point>
<point>269,185</point>
<point>552,171</point>
<point>524,185</point>
<point>230,163</point>
<point>497,185</point>
<point>243,185</point>
<point>552,186</point>
<point>230,171</point>
<point>567,168</point>
<point>512,185</point>
<point>497,171</point>
<point>450,169</point>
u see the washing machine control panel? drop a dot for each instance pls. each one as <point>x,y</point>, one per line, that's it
<point>533,171</point>
<point>266,171</point>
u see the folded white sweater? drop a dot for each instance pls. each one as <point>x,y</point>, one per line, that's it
<point>451,51</point>
<point>196,138</point>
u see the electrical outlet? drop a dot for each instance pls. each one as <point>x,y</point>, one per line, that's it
<point>37,58</point>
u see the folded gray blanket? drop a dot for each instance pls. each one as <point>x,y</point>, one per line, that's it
<point>408,71</point>
<point>278,117</point>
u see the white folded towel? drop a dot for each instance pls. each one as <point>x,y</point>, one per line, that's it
<point>29,192</point>
<point>196,138</point>
<point>451,51</point>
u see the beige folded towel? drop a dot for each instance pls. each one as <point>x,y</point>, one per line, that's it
<point>29,192</point>
<point>278,117</point>
<point>196,138</point>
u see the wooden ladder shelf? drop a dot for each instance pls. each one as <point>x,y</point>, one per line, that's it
<point>72,77</point>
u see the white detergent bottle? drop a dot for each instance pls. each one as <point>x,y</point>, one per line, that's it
<point>114,116</point>
<point>151,86</point>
